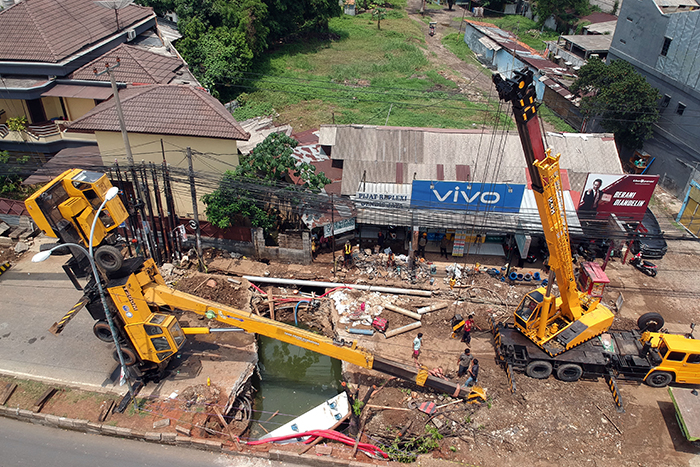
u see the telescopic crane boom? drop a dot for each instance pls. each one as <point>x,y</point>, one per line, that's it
<point>554,324</point>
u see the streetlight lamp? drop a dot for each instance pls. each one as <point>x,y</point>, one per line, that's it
<point>44,255</point>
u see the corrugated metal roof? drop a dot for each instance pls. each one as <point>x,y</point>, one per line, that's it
<point>375,151</point>
<point>591,42</point>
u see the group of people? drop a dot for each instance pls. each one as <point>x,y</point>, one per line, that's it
<point>468,365</point>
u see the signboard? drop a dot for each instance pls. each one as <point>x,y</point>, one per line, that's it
<point>626,196</point>
<point>492,197</point>
<point>458,245</point>
<point>344,225</point>
<point>383,200</point>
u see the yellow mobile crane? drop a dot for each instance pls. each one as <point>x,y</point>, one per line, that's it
<point>140,301</point>
<point>554,324</point>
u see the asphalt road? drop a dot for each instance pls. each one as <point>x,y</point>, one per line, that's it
<point>24,444</point>
<point>32,297</point>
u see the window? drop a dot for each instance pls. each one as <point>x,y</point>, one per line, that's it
<point>160,343</point>
<point>680,109</point>
<point>665,101</point>
<point>694,358</point>
<point>337,163</point>
<point>667,44</point>
<point>675,356</point>
<point>623,41</point>
<point>629,19</point>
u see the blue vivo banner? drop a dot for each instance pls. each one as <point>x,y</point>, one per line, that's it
<point>494,197</point>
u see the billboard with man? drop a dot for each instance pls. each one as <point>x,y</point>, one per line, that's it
<point>626,196</point>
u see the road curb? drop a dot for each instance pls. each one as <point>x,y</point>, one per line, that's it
<point>86,426</point>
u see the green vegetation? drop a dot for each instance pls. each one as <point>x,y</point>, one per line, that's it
<point>10,177</point>
<point>550,117</point>
<point>455,44</point>
<point>527,30</point>
<point>357,405</point>
<point>366,76</point>
<point>626,102</point>
<point>17,123</point>
<point>267,165</point>
<point>566,12</point>
<point>407,450</point>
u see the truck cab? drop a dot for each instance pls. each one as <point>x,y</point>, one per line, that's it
<point>677,359</point>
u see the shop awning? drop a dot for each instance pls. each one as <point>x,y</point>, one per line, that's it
<point>81,92</point>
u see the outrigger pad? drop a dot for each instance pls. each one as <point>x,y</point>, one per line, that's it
<point>477,395</point>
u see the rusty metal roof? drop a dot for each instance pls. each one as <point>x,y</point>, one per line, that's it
<point>164,109</point>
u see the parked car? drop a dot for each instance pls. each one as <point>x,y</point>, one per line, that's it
<point>650,239</point>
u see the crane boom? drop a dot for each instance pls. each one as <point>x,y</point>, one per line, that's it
<point>556,325</point>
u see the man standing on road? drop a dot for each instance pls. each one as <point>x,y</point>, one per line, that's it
<point>464,361</point>
<point>469,325</point>
<point>421,244</point>
<point>473,373</point>
<point>416,348</point>
<point>444,243</point>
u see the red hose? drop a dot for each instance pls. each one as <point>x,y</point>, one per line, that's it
<point>257,288</point>
<point>334,289</point>
<point>370,449</point>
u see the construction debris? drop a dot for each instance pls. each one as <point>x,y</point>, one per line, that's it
<point>402,329</point>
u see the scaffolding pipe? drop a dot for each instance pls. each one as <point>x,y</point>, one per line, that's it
<point>370,288</point>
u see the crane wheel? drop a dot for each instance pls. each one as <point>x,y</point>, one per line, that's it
<point>650,322</point>
<point>539,369</point>
<point>659,379</point>
<point>129,356</point>
<point>102,331</point>
<point>109,258</point>
<point>569,372</point>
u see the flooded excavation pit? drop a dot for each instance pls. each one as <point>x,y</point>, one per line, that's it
<point>292,381</point>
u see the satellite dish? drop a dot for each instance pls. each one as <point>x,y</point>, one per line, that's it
<point>115,5</point>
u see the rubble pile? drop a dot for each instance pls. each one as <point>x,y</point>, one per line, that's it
<point>378,265</point>
<point>359,311</point>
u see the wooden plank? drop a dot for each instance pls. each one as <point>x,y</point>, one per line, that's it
<point>271,303</point>
<point>7,392</point>
<point>44,399</point>
<point>688,409</point>
<point>105,410</point>
<point>225,428</point>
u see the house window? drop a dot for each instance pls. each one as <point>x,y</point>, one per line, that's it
<point>665,101</point>
<point>623,41</point>
<point>667,44</point>
<point>680,109</point>
<point>629,19</point>
<point>337,163</point>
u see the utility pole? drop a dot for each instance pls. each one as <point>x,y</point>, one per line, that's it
<point>108,69</point>
<point>197,231</point>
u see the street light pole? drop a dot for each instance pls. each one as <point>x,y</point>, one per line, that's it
<point>42,256</point>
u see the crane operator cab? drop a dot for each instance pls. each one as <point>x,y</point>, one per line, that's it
<point>525,315</point>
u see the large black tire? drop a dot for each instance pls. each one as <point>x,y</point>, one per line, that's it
<point>129,356</point>
<point>569,372</point>
<point>539,369</point>
<point>650,322</point>
<point>652,272</point>
<point>659,379</point>
<point>102,331</point>
<point>109,258</point>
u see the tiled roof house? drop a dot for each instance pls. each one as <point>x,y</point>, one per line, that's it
<point>48,49</point>
<point>179,116</point>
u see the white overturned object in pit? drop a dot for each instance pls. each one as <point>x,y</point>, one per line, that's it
<point>321,417</point>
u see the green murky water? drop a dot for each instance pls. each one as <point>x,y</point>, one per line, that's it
<point>294,380</point>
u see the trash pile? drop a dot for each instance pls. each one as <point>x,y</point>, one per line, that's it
<point>361,311</point>
<point>382,265</point>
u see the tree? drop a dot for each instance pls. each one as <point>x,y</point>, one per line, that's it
<point>267,166</point>
<point>626,102</point>
<point>566,12</point>
<point>379,14</point>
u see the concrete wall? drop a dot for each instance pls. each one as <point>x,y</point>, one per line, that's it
<point>301,256</point>
<point>471,38</point>
<point>221,155</point>
<point>52,107</point>
<point>77,107</point>
<point>639,38</point>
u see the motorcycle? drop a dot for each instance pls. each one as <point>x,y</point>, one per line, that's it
<point>647,267</point>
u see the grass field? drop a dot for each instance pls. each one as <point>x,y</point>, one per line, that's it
<point>362,76</point>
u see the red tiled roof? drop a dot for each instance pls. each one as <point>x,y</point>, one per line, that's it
<point>164,109</point>
<point>52,30</point>
<point>135,66</point>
